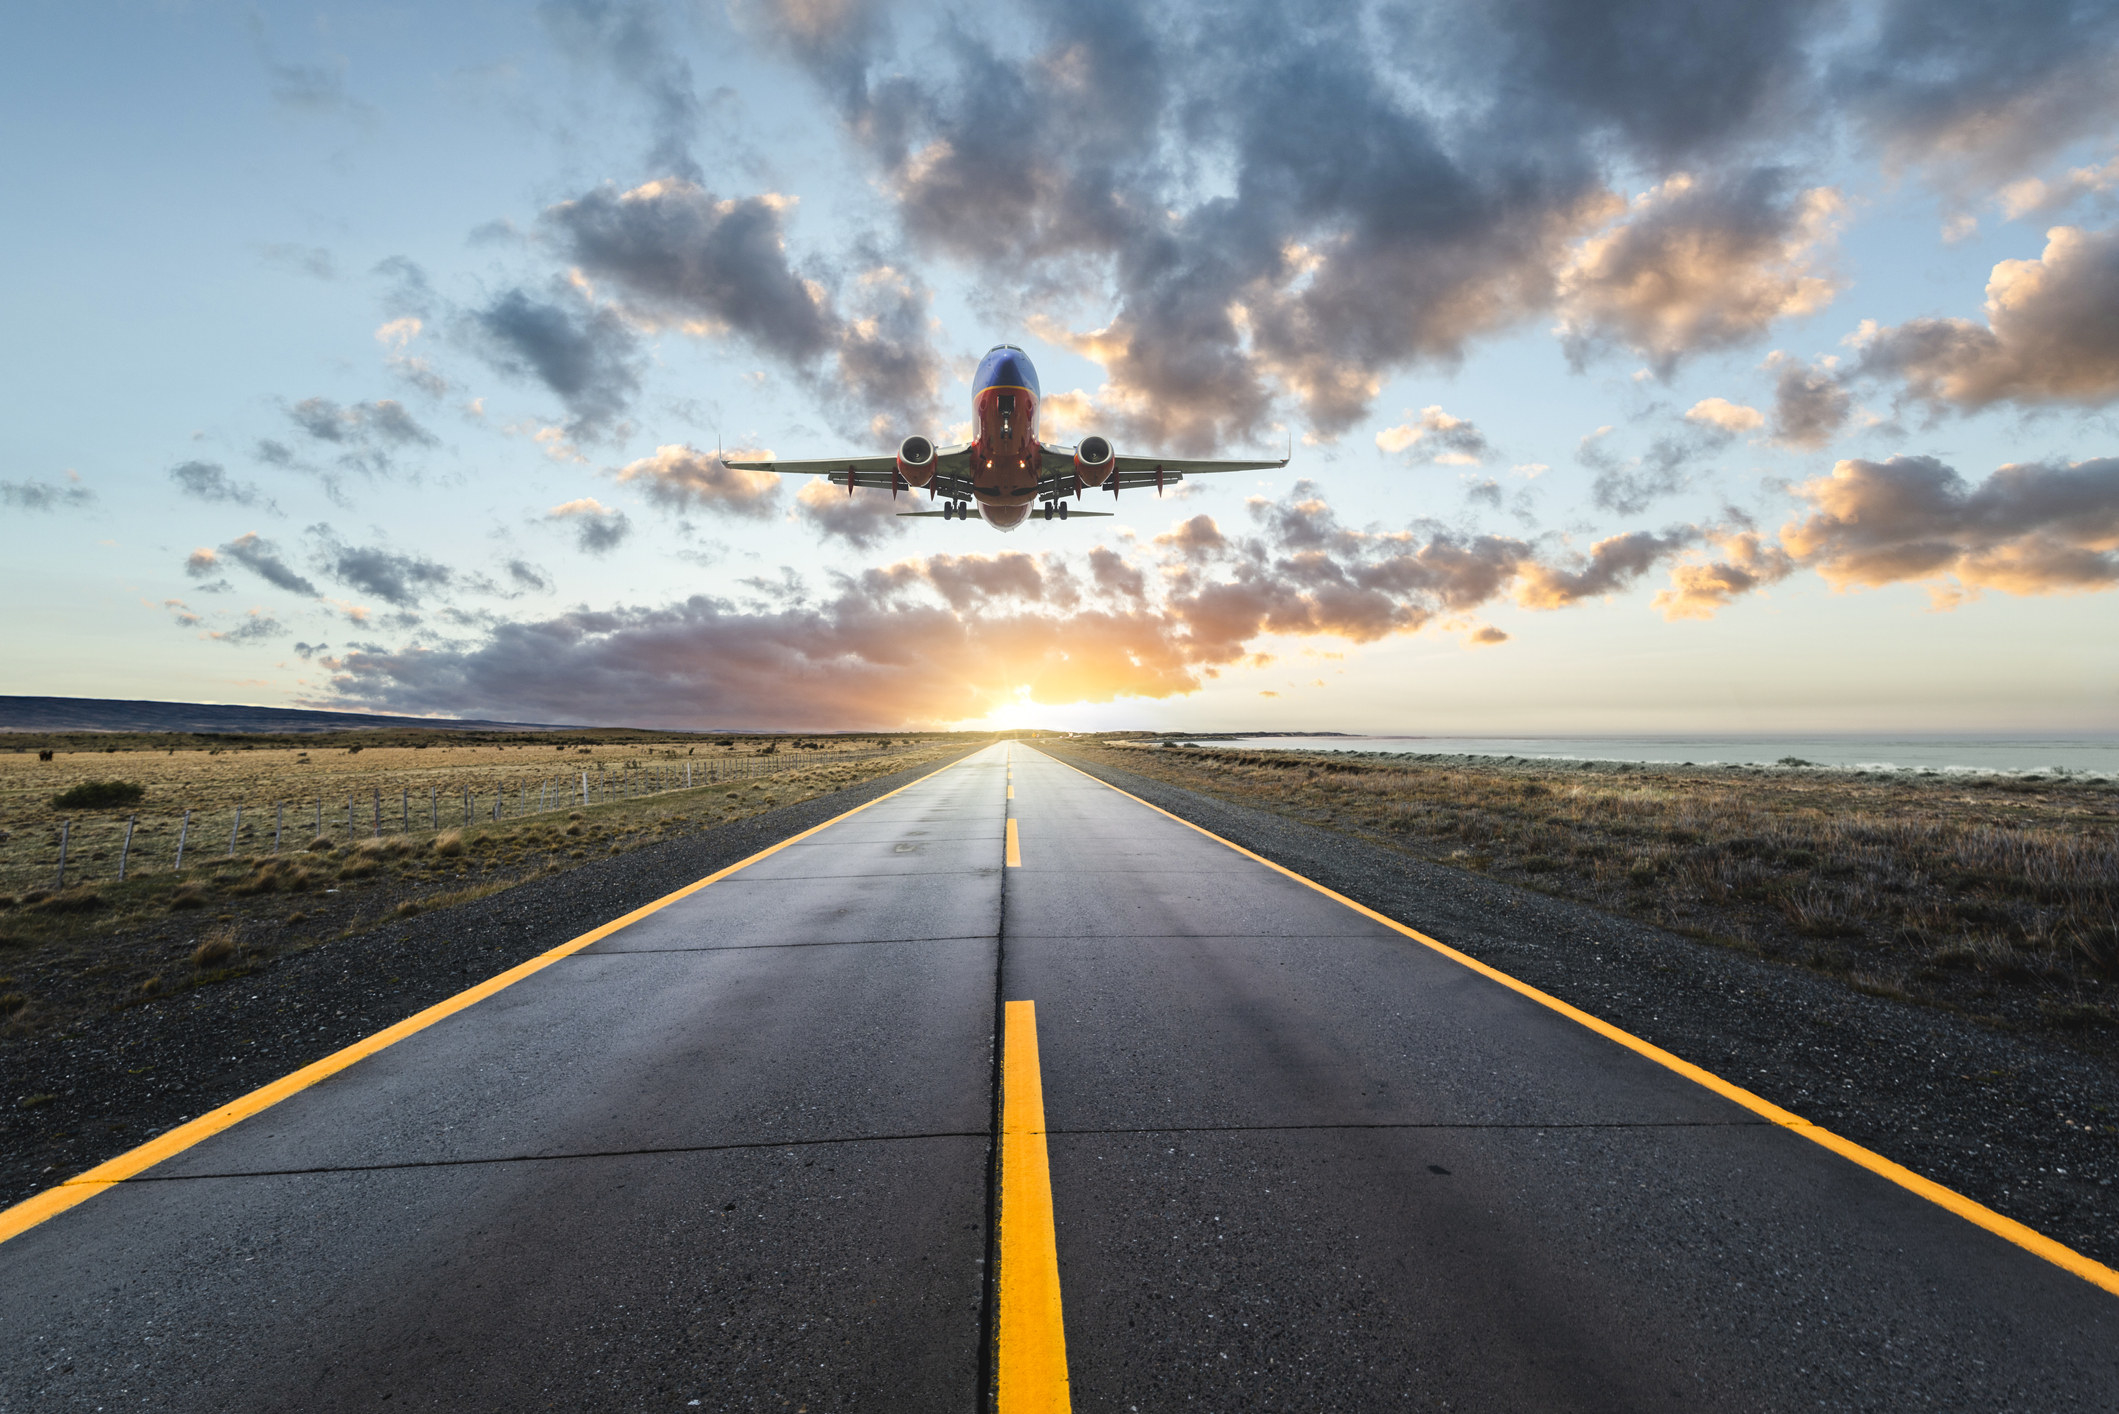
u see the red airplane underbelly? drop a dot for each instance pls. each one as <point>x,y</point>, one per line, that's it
<point>1005,459</point>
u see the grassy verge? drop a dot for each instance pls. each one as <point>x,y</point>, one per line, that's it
<point>1997,896</point>
<point>104,944</point>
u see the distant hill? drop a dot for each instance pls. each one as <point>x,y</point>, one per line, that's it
<point>106,714</point>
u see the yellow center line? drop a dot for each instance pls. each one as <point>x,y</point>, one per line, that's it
<point>79,1189</point>
<point>1032,1344</point>
<point>1976,1213</point>
<point>1015,846</point>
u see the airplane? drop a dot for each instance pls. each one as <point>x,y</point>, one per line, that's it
<point>1003,471</point>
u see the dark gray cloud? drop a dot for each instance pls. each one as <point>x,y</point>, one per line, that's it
<point>1273,212</point>
<point>383,421</point>
<point>1669,465</point>
<point>1810,402</point>
<point>598,529</point>
<point>632,40</point>
<point>862,521</point>
<point>1281,208</point>
<point>210,481</point>
<point>583,353</point>
<point>395,578</point>
<point>259,625</point>
<point>1984,89</point>
<point>72,494</point>
<point>528,576</point>
<point>263,559</point>
<point>681,256</point>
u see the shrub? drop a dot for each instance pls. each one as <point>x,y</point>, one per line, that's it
<point>450,842</point>
<point>218,948</point>
<point>81,900</point>
<point>188,896</point>
<point>100,795</point>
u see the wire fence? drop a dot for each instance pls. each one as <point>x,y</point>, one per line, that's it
<point>96,847</point>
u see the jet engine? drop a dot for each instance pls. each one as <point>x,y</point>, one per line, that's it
<point>1093,461</point>
<point>916,460</point>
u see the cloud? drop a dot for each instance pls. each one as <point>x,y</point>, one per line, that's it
<point>46,495</point>
<point>262,558</point>
<point>1810,402</point>
<point>1697,265</point>
<point>1436,437</point>
<point>1614,564</point>
<point>1699,589</point>
<point>2030,528</point>
<point>210,481</point>
<point>1733,418</point>
<point>1629,487</point>
<point>948,637</point>
<point>681,477</point>
<point>861,521</point>
<point>258,625</point>
<point>1980,90</point>
<point>2051,336</point>
<point>368,435</point>
<point>2035,197</point>
<point>394,578</point>
<point>528,576</point>
<point>713,266</point>
<point>598,529</point>
<point>582,352</point>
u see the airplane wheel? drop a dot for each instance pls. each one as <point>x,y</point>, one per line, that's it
<point>948,510</point>
<point>1063,510</point>
<point>1048,510</point>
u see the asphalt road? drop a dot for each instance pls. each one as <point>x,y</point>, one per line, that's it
<point>739,1155</point>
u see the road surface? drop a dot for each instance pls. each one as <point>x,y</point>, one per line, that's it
<point>741,1154</point>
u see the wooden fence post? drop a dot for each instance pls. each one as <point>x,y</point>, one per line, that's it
<point>279,823</point>
<point>66,829</point>
<point>235,830</point>
<point>126,849</point>
<point>183,830</point>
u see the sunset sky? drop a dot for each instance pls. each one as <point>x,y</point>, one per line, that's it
<point>1648,366</point>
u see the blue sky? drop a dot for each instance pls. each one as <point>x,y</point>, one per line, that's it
<point>1756,376</point>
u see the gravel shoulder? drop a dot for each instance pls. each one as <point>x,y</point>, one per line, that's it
<point>2027,1127</point>
<point>108,1082</point>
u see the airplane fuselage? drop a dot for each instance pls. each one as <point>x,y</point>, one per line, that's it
<point>1005,456</point>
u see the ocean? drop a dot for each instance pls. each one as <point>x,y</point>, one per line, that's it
<point>2089,755</point>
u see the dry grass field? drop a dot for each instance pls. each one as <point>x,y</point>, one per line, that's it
<point>1996,895</point>
<point>238,901</point>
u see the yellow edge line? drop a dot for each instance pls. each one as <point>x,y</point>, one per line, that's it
<point>1031,1359</point>
<point>1015,846</point>
<point>2030,1239</point>
<point>80,1188</point>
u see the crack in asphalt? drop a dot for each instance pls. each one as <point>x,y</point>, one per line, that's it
<point>645,1152</point>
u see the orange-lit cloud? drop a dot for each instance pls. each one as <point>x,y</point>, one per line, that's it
<point>682,477</point>
<point>2051,336</point>
<point>2032,528</point>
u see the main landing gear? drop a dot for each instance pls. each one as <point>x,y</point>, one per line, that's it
<point>1062,509</point>
<point>949,510</point>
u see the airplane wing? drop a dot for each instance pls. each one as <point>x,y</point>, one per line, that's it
<point>1131,472</point>
<point>952,478</point>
